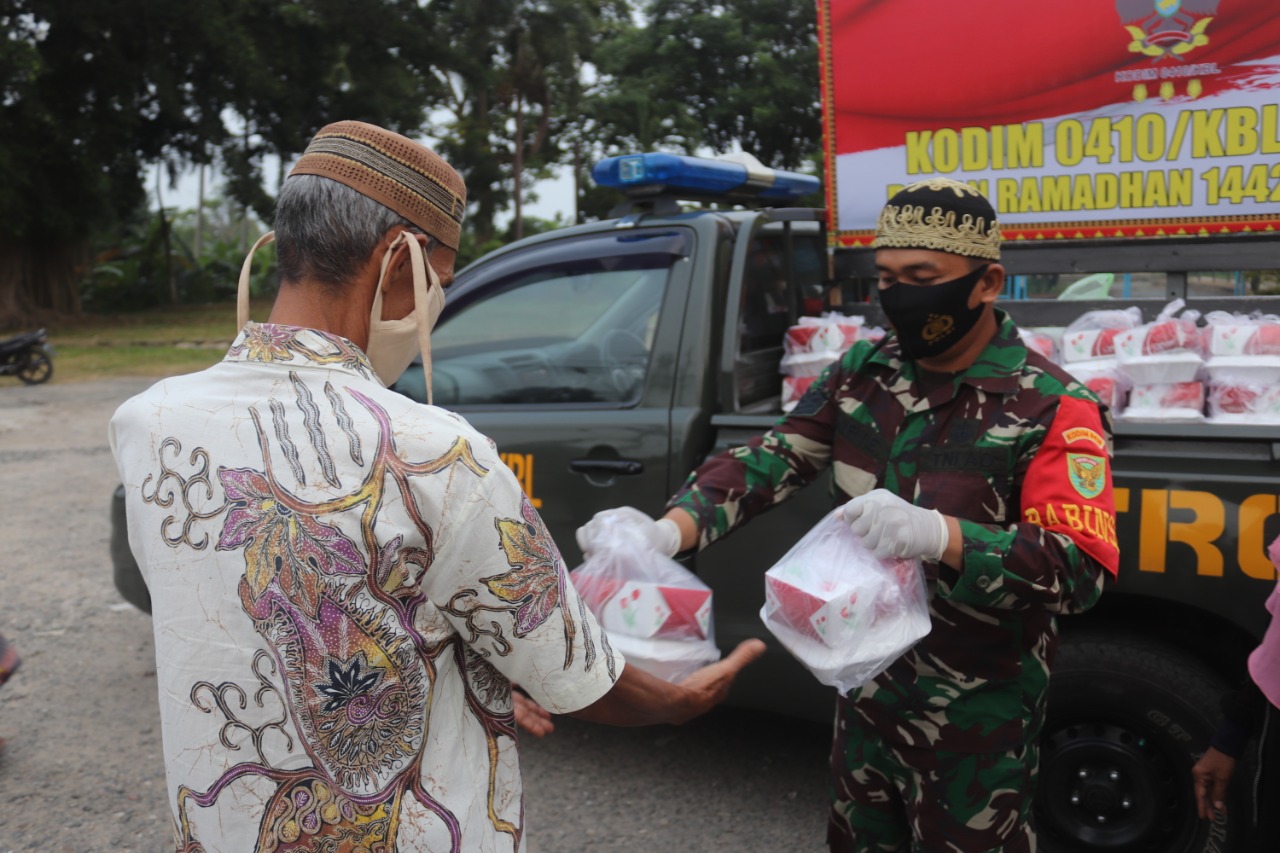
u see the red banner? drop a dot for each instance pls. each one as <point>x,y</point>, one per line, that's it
<point>1099,119</point>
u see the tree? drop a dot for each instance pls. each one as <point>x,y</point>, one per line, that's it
<point>513,69</point>
<point>712,75</point>
<point>91,92</point>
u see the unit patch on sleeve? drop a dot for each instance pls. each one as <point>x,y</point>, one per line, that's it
<point>1087,474</point>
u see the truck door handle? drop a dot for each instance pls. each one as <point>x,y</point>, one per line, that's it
<point>613,467</point>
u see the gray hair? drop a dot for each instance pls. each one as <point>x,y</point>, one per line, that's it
<point>325,231</point>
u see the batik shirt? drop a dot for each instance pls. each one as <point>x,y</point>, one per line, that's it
<point>1013,448</point>
<point>344,585</point>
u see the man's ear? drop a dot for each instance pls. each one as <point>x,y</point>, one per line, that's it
<point>399,255</point>
<point>991,285</point>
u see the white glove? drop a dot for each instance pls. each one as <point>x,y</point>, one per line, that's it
<point>891,527</point>
<point>606,527</point>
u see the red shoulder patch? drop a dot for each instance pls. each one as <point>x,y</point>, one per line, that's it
<point>1068,486</point>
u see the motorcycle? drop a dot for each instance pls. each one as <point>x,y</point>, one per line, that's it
<point>28,357</point>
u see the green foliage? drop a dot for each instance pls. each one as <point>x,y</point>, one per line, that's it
<point>513,69</point>
<point>133,264</point>
<point>92,92</point>
<point>713,75</point>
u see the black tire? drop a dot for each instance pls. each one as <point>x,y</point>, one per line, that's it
<point>1127,718</point>
<point>39,367</point>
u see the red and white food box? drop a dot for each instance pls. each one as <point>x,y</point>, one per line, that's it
<point>793,388</point>
<point>1240,403</point>
<point>1165,369</point>
<point>1158,338</point>
<point>833,611</point>
<point>1179,401</point>
<point>649,610</point>
<point>1244,369</point>
<point>1230,339</point>
<point>809,364</point>
<point>1039,342</point>
<point>828,333</point>
<point>1089,344</point>
<point>1103,378</point>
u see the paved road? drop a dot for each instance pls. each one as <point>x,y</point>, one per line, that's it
<point>83,774</point>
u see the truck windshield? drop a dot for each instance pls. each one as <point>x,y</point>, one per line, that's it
<point>574,331</point>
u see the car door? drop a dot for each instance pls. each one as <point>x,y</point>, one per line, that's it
<point>554,351</point>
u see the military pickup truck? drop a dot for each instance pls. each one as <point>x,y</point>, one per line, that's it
<point>607,360</point>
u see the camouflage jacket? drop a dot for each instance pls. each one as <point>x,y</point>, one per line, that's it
<point>1015,449</point>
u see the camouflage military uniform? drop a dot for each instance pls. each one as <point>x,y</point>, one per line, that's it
<point>1019,452</point>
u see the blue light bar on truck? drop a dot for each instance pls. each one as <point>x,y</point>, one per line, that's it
<point>676,174</point>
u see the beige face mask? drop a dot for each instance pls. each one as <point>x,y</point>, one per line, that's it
<point>392,343</point>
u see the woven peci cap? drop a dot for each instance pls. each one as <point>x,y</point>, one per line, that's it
<point>941,214</point>
<point>393,170</point>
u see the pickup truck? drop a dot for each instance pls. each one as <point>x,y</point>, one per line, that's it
<point>607,360</point>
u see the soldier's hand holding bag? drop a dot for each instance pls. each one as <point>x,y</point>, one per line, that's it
<point>840,610</point>
<point>657,613</point>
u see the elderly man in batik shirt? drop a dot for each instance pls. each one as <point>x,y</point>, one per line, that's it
<point>960,447</point>
<point>345,583</point>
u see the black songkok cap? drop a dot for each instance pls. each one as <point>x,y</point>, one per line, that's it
<point>940,214</point>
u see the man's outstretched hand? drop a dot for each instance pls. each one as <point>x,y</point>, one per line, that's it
<point>710,685</point>
<point>640,699</point>
<point>530,716</point>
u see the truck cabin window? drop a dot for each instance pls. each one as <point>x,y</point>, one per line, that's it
<point>575,332</point>
<point>770,294</point>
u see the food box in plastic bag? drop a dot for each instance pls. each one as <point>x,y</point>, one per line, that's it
<point>829,333</point>
<point>1039,342</point>
<point>1243,338</point>
<point>1104,379</point>
<point>1092,335</point>
<point>1161,337</point>
<point>1089,344</point>
<point>793,388</point>
<point>1244,403</point>
<point>1165,352</point>
<point>642,609</point>
<point>809,364</point>
<point>842,612</point>
<point>1246,369</point>
<point>1180,401</point>
<point>656,612</point>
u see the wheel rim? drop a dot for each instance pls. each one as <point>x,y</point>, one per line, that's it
<point>1110,788</point>
<point>37,369</point>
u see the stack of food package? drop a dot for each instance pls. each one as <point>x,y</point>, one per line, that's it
<point>1089,352</point>
<point>1164,361</point>
<point>1243,368</point>
<point>813,344</point>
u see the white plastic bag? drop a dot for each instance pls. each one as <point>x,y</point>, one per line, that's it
<point>657,613</point>
<point>1092,334</point>
<point>842,612</point>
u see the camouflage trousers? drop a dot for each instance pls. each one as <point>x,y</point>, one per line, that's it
<point>888,798</point>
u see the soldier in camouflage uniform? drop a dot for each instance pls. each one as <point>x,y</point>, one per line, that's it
<point>950,441</point>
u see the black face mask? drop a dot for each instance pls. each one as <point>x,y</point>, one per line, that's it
<point>929,319</point>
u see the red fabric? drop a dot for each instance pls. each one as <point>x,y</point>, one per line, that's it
<point>900,65</point>
<point>1061,501</point>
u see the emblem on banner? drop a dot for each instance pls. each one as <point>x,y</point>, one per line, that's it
<point>1166,29</point>
<point>1087,474</point>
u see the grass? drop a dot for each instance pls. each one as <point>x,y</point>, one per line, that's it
<point>157,342</point>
